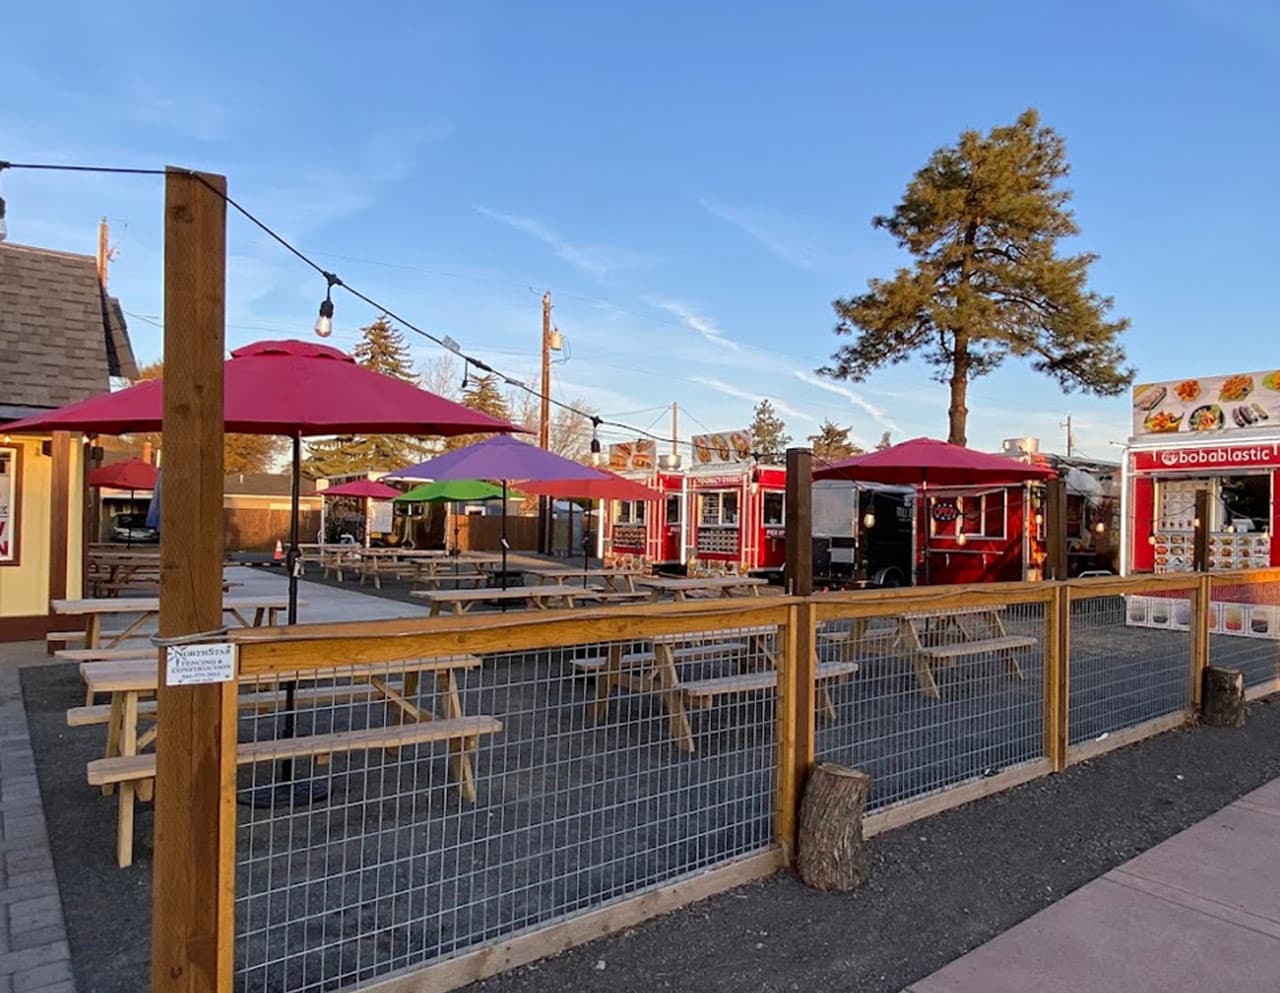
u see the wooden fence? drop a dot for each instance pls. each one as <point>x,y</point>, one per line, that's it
<point>601,766</point>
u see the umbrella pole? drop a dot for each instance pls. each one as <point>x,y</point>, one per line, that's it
<point>503,542</point>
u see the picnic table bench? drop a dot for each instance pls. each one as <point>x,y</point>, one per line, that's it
<point>615,580</point>
<point>126,767</point>
<point>681,588</point>
<point>656,670</point>
<point>936,638</point>
<point>533,597</point>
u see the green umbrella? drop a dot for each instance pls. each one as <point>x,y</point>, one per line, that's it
<point>452,490</point>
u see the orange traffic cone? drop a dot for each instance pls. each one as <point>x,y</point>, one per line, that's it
<point>278,554</point>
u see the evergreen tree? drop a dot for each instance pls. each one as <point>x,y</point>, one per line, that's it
<point>383,350</point>
<point>832,443</point>
<point>983,219</point>
<point>482,393</point>
<point>884,443</point>
<point>769,434</point>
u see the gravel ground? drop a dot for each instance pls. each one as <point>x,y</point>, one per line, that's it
<point>392,869</point>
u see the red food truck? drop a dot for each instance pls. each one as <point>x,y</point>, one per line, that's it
<point>646,535</point>
<point>1219,436</point>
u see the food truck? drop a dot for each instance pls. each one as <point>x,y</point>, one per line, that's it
<point>1213,435</point>
<point>646,535</point>
<point>1217,435</point>
<point>982,534</point>
<point>863,534</point>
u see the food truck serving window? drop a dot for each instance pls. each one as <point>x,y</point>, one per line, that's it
<point>774,509</point>
<point>630,512</point>
<point>719,508</point>
<point>984,515</point>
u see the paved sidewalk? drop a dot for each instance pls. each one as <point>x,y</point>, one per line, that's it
<point>34,955</point>
<point>1199,912</point>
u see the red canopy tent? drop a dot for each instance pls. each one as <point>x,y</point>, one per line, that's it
<point>926,462</point>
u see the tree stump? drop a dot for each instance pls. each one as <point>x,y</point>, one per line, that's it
<point>1222,698</point>
<point>830,853</point>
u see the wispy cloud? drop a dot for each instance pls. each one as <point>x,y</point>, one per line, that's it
<point>853,396</point>
<point>776,235</point>
<point>594,260</point>
<point>729,390</point>
<point>695,321</point>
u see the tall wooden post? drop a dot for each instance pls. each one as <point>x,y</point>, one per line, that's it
<point>797,687</point>
<point>545,504</point>
<point>194,883</point>
<point>1055,531</point>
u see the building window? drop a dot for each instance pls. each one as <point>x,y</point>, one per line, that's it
<point>630,512</point>
<point>719,508</point>
<point>774,509</point>
<point>10,478</point>
<point>984,516</point>
<point>673,510</point>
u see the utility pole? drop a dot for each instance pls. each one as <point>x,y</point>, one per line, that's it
<point>675,428</point>
<point>104,252</point>
<point>1071,440</point>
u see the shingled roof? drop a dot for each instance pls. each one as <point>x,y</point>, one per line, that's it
<point>61,336</point>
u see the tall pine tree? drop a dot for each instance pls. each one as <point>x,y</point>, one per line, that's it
<point>983,219</point>
<point>832,442</point>
<point>482,393</point>
<point>769,434</point>
<point>383,350</point>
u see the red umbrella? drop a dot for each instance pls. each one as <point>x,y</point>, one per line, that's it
<point>284,387</point>
<point>131,474</point>
<point>611,487</point>
<point>365,489</point>
<point>926,462</point>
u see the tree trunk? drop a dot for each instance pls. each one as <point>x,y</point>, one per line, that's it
<point>1222,699</point>
<point>958,413</point>
<point>830,853</point>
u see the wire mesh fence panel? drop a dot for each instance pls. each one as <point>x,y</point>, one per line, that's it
<point>938,698</point>
<point>1244,628</point>
<point>434,805</point>
<point>1130,661</point>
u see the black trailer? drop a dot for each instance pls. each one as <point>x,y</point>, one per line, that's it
<point>863,535</point>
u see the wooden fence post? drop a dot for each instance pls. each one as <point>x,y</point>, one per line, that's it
<point>1201,600</point>
<point>1057,676</point>
<point>796,702</point>
<point>1055,529</point>
<point>193,891</point>
<point>799,522</point>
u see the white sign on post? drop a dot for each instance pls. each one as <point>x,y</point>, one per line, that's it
<point>188,665</point>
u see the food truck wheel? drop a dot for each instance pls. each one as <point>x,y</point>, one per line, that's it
<point>889,578</point>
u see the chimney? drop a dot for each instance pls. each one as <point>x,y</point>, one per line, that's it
<point>104,255</point>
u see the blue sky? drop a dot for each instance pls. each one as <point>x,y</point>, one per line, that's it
<point>693,182</point>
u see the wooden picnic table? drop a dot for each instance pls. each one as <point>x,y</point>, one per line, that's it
<point>615,580</point>
<point>936,638</point>
<point>419,564</point>
<point>132,682</point>
<point>240,608</point>
<point>681,587</point>
<point>533,597</point>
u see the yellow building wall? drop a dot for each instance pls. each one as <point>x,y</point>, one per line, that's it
<point>24,588</point>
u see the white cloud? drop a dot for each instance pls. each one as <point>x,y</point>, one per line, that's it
<point>594,260</point>
<point>853,396</point>
<point>695,321</point>
<point>776,235</point>
<point>728,389</point>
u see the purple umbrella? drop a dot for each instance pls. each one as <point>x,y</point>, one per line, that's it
<point>502,459</point>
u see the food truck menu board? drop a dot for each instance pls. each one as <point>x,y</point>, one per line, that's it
<point>1246,620</point>
<point>1175,534</point>
<point>1208,405</point>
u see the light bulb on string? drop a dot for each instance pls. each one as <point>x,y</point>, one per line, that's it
<point>869,519</point>
<point>1039,518</point>
<point>1100,527</point>
<point>962,539</point>
<point>324,323</point>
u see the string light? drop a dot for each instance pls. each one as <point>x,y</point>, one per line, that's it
<point>1100,527</point>
<point>962,539</point>
<point>869,519</point>
<point>324,323</point>
<point>595,441</point>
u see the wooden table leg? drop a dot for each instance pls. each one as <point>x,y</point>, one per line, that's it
<point>128,746</point>
<point>606,681</point>
<point>459,749</point>
<point>919,661</point>
<point>668,682</point>
<point>113,734</point>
